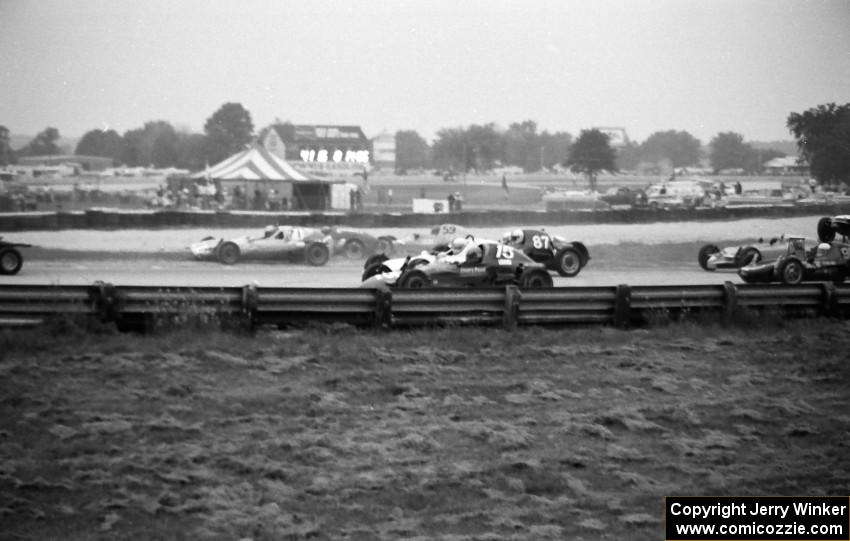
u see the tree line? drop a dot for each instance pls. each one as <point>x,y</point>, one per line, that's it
<point>822,134</point>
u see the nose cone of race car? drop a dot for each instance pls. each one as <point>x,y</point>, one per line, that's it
<point>204,248</point>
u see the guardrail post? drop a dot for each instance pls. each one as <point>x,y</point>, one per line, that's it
<point>250,300</point>
<point>104,301</point>
<point>623,306</point>
<point>383,307</point>
<point>830,307</point>
<point>730,301</point>
<point>510,316</point>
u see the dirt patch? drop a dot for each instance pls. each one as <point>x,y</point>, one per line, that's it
<point>462,434</point>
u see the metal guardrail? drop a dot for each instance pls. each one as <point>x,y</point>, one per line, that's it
<point>146,307</point>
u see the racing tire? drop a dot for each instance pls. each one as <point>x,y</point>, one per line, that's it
<point>748,256</point>
<point>568,262</point>
<point>317,254</point>
<point>705,254</point>
<point>825,231</point>
<point>354,249</point>
<point>374,270</point>
<point>790,272</point>
<point>229,253</point>
<point>372,259</point>
<point>11,261</point>
<point>414,279</point>
<point>535,279</point>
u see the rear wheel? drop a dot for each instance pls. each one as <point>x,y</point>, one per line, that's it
<point>705,254</point>
<point>385,245</point>
<point>535,279</point>
<point>354,249</point>
<point>10,261</point>
<point>825,231</point>
<point>317,254</point>
<point>228,253</point>
<point>791,272</point>
<point>567,262</point>
<point>414,279</point>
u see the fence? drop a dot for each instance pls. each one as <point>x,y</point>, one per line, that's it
<point>144,308</point>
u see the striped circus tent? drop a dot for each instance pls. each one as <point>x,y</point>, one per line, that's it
<point>255,163</point>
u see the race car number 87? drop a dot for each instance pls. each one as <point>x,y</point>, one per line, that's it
<point>540,241</point>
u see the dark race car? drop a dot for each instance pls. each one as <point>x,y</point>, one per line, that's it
<point>828,261</point>
<point>11,259</point>
<point>485,264</point>
<point>556,253</point>
<point>828,227</point>
<point>352,243</point>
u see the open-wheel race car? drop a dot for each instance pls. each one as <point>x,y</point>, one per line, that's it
<point>829,227</point>
<point>276,242</point>
<point>554,252</point>
<point>710,257</point>
<point>352,243</point>
<point>437,239</point>
<point>11,259</point>
<point>827,261</point>
<point>479,263</point>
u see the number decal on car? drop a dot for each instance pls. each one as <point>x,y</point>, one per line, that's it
<point>504,252</point>
<point>845,252</point>
<point>448,229</point>
<point>540,242</point>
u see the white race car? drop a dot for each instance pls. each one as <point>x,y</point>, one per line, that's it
<point>276,242</point>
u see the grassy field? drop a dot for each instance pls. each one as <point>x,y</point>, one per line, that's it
<point>454,434</point>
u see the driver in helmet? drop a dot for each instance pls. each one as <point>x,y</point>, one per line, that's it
<point>268,231</point>
<point>515,237</point>
<point>457,246</point>
<point>823,249</point>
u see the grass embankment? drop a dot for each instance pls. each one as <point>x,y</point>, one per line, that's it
<point>457,434</point>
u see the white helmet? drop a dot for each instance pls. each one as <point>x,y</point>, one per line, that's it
<point>516,236</point>
<point>269,230</point>
<point>458,245</point>
<point>823,249</point>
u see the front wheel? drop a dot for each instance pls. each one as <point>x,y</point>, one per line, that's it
<point>317,254</point>
<point>535,279</point>
<point>354,249</point>
<point>705,254</point>
<point>10,261</point>
<point>228,253</point>
<point>414,279</point>
<point>825,231</point>
<point>385,245</point>
<point>567,262</point>
<point>749,256</point>
<point>791,272</point>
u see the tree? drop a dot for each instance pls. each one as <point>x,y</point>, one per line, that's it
<point>105,143</point>
<point>728,151</point>
<point>228,131</point>
<point>44,144</point>
<point>678,147</point>
<point>7,155</point>
<point>411,151</point>
<point>823,137</point>
<point>155,144</point>
<point>592,153</point>
<point>477,147</point>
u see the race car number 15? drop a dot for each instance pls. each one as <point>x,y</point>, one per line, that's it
<point>504,252</point>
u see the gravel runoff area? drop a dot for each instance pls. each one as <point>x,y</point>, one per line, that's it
<point>453,434</point>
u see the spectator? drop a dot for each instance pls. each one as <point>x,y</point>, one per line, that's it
<point>451,199</point>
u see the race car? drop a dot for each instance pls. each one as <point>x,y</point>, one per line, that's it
<point>829,227</point>
<point>352,243</point>
<point>387,270</point>
<point>11,259</point>
<point>276,242</point>
<point>554,252</point>
<point>710,257</point>
<point>479,263</point>
<point>828,261</point>
<point>438,238</point>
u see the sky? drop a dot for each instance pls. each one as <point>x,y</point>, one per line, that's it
<point>704,67</point>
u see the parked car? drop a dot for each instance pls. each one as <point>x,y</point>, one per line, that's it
<point>710,257</point>
<point>352,243</point>
<point>624,196</point>
<point>675,194</point>
<point>11,259</point>
<point>276,242</point>
<point>827,261</point>
<point>828,227</point>
<point>554,252</point>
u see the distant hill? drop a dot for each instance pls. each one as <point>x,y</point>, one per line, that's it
<point>67,144</point>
